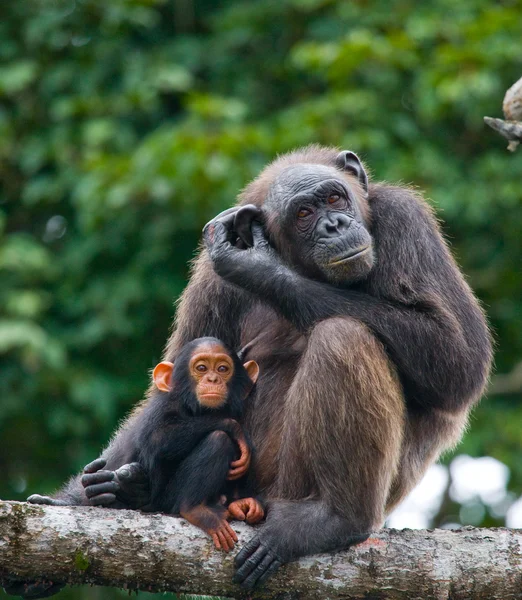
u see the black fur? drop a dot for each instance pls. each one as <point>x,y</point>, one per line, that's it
<point>174,442</point>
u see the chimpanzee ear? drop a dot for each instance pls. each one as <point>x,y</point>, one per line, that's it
<point>252,368</point>
<point>162,376</point>
<point>349,161</point>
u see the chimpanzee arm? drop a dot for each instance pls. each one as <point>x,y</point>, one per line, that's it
<point>174,441</point>
<point>209,306</point>
<point>415,301</point>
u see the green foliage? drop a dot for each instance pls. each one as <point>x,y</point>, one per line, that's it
<point>126,125</point>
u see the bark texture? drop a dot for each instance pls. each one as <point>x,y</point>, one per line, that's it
<point>161,553</point>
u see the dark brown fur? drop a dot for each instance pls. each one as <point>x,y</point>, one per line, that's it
<point>333,395</point>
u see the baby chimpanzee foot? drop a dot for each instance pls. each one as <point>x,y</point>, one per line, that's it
<point>246,509</point>
<point>213,521</point>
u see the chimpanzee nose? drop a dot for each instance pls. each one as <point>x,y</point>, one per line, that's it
<point>334,224</point>
<point>212,377</point>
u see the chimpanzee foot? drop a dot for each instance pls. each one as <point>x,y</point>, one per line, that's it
<point>255,563</point>
<point>33,590</point>
<point>212,520</point>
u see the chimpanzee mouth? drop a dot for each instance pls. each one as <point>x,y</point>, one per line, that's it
<point>350,255</point>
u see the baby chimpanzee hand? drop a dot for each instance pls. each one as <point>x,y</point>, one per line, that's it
<point>240,466</point>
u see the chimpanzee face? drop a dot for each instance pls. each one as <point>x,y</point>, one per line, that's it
<point>320,222</point>
<point>211,370</point>
<point>207,375</point>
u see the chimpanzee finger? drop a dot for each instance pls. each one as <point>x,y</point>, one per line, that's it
<point>243,223</point>
<point>252,512</point>
<point>133,471</point>
<point>269,572</point>
<point>95,465</point>
<point>237,468</point>
<point>229,536</point>
<point>234,474</point>
<point>109,487</point>
<point>226,218</point>
<point>228,211</point>
<point>242,461</point>
<point>223,541</point>
<point>231,532</point>
<point>254,516</point>
<point>258,572</point>
<point>236,512</point>
<point>98,477</point>
<point>248,549</point>
<point>103,500</point>
<point>216,541</point>
<point>37,499</point>
<point>258,236</point>
<point>215,233</point>
<point>250,564</point>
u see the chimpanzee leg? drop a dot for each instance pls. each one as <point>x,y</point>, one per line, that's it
<point>340,447</point>
<point>202,476</point>
<point>197,484</point>
<point>426,436</point>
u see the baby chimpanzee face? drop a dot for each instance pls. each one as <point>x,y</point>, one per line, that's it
<point>211,368</point>
<point>207,375</point>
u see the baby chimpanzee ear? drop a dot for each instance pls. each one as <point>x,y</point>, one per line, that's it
<point>252,368</point>
<point>162,376</point>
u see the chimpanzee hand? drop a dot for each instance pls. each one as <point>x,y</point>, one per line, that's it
<point>240,466</point>
<point>127,487</point>
<point>238,246</point>
<point>260,557</point>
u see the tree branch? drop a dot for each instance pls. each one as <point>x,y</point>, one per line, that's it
<point>511,130</point>
<point>161,553</point>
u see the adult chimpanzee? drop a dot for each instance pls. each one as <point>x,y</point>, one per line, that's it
<point>371,346</point>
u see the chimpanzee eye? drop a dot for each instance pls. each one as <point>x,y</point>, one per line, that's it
<point>223,369</point>
<point>303,212</point>
<point>201,368</point>
<point>334,198</point>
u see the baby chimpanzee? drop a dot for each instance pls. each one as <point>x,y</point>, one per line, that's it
<point>188,435</point>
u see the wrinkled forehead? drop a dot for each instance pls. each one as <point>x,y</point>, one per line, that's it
<point>299,179</point>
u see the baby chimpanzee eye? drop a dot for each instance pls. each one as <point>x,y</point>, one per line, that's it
<point>223,369</point>
<point>201,368</point>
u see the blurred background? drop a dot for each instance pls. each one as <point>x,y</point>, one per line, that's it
<point>126,125</point>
